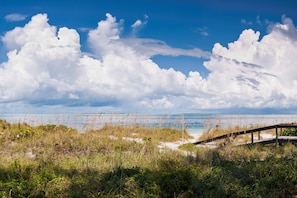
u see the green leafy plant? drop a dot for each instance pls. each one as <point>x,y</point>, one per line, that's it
<point>290,132</point>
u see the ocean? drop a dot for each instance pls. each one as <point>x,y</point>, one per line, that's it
<point>194,123</point>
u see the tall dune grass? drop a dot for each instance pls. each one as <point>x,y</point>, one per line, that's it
<point>59,161</point>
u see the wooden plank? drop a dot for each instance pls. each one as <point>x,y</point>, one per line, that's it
<point>276,137</point>
<point>281,139</point>
<point>283,125</point>
<point>266,141</point>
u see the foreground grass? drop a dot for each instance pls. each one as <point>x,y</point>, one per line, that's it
<point>57,161</point>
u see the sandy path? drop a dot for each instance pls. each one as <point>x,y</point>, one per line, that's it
<point>175,145</point>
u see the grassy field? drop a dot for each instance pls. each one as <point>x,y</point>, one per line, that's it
<point>58,161</point>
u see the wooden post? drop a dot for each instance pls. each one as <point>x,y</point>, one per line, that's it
<point>276,137</point>
<point>252,137</point>
<point>183,127</point>
<point>259,136</point>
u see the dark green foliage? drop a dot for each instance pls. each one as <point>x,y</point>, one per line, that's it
<point>50,128</point>
<point>271,178</point>
<point>290,132</point>
<point>4,125</point>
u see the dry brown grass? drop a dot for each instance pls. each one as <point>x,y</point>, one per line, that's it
<point>153,134</point>
<point>102,149</point>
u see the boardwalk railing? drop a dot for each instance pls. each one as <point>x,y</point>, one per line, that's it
<point>252,131</point>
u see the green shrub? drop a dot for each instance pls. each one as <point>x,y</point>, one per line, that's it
<point>58,187</point>
<point>4,125</point>
<point>290,132</point>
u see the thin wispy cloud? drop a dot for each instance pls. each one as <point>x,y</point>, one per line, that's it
<point>246,22</point>
<point>203,31</point>
<point>15,17</point>
<point>138,25</point>
<point>84,29</point>
<point>258,20</point>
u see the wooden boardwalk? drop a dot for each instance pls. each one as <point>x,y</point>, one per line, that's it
<point>277,139</point>
<point>280,139</point>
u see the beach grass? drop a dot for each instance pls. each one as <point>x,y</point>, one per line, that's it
<point>117,161</point>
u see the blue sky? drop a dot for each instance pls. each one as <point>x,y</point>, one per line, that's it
<point>148,56</point>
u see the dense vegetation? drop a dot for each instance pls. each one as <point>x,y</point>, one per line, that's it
<point>290,132</point>
<point>58,161</point>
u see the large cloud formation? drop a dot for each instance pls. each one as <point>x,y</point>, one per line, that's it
<point>257,73</point>
<point>46,66</point>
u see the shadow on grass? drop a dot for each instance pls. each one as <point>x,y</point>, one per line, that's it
<point>275,177</point>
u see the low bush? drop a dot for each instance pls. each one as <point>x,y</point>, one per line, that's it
<point>289,132</point>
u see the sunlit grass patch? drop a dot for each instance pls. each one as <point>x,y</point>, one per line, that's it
<point>153,134</point>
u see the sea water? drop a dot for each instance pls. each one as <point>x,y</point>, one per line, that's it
<point>194,123</point>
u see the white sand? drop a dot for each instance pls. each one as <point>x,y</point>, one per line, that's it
<point>196,135</point>
<point>267,135</point>
<point>175,145</point>
<point>169,145</point>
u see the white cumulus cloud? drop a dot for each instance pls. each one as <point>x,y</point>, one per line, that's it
<point>256,73</point>
<point>46,67</point>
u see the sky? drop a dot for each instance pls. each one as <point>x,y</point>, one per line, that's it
<point>148,56</point>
